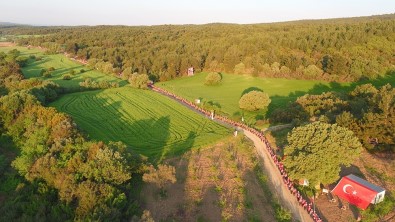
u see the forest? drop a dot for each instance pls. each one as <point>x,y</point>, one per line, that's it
<point>52,170</point>
<point>49,169</point>
<point>341,50</point>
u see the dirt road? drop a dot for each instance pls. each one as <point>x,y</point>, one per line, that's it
<point>275,178</point>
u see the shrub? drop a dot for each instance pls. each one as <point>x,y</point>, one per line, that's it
<point>72,72</point>
<point>139,81</point>
<point>82,70</point>
<point>213,78</point>
<point>66,77</point>
<point>47,75</point>
<point>51,69</point>
<point>254,100</point>
<point>42,72</point>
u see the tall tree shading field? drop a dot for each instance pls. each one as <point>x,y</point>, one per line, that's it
<point>152,124</point>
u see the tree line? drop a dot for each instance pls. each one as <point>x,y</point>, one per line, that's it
<point>57,173</point>
<point>367,110</point>
<point>332,50</point>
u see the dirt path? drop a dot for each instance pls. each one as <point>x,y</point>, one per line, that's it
<point>275,178</point>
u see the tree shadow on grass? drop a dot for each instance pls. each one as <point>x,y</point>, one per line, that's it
<point>319,88</point>
<point>107,120</point>
<point>250,89</point>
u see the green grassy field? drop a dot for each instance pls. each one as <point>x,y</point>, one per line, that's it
<point>62,66</point>
<point>281,91</point>
<point>227,94</point>
<point>153,125</point>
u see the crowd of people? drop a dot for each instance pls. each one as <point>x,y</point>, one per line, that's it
<point>305,203</point>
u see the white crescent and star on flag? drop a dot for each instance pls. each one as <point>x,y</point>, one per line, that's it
<point>354,192</point>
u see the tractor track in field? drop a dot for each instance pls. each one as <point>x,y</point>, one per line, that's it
<point>144,122</point>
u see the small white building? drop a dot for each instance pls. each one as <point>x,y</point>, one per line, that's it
<point>191,71</point>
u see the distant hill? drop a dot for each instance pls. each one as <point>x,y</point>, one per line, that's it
<point>10,24</point>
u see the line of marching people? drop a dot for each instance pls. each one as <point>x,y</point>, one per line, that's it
<point>306,204</point>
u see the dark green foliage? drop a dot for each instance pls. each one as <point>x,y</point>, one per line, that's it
<point>67,77</point>
<point>3,164</point>
<point>368,111</point>
<point>139,81</point>
<point>316,105</point>
<point>58,175</point>
<point>316,151</point>
<point>377,212</point>
<point>47,75</point>
<point>292,113</point>
<point>333,50</point>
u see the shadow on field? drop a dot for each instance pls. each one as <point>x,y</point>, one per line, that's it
<point>106,119</point>
<point>282,101</point>
<point>180,147</point>
<point>250,89</point>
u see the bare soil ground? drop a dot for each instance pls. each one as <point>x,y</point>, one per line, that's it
<point>6,44</point>
<point>377,169</point>
<point>217,183</point>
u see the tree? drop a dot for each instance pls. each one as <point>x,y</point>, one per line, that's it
<point>213,78</point>
<point>254,100</point>
<point>139,81</point>
<point>162,176</point>
<point>317,150</point>
<point>239,68</point>
<point>312,71</point>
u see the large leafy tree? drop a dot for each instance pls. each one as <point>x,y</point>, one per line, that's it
<point>139,81</point>
<point>317,150</point>
<point>254,101</point>
<point>213,78</point>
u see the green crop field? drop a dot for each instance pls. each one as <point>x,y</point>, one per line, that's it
<point>226,95</point>
<point>62,65</point>
<point>153,125</point>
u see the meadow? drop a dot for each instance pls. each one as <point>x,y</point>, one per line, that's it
<point>151,124</point>
<point>226,95</point>
<point>62,66</point>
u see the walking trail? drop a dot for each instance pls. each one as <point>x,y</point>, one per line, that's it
<point>274,177</point>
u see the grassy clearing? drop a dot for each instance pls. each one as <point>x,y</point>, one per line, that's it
<point>62,66</point>
<point>227,94</point>
<point>150,123</point>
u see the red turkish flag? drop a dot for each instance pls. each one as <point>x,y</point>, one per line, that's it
<point>354,193</point>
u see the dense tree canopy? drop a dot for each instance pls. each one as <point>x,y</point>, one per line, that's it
<point>139,81</point>
<point>368,111</point>
<point>336,50</point>
<point>316,151</point>
<point>254,100</point>
<point>62,175</point>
